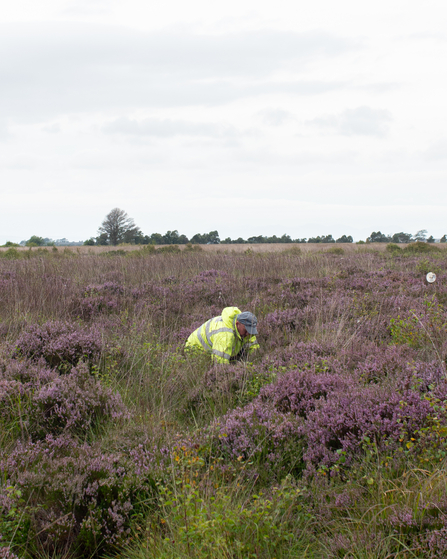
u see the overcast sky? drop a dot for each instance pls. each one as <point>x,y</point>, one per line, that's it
<point>249,117</point>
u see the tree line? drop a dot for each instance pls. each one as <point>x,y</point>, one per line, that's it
<point>118,228</point>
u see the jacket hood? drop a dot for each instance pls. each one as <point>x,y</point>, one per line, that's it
<point>229,314</point>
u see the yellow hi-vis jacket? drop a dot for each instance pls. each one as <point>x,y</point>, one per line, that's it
<point>219,336</point>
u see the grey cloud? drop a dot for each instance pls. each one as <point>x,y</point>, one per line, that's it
<point>68,68</point>
<point>362,121</point>
<point>275,117</point>
<point>166,128</point>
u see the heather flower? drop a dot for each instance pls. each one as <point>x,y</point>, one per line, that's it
<point>86,496</point>
<point>46,402</point>
<point>59,343</point>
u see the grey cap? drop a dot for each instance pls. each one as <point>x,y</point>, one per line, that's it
<point>249,320</point>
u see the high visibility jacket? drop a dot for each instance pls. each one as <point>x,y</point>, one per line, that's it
<point>219,337</point>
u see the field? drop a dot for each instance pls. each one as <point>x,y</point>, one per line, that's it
<point>331,442</point>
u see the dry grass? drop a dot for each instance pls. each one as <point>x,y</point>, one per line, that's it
<point>229,249</point>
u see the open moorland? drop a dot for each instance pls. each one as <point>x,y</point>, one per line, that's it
<point>214,248</point>
<point>330,442</point>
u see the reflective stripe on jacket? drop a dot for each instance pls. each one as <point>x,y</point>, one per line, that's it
<point>219,337</point>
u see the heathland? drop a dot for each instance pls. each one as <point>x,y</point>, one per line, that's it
<point>330,442</point>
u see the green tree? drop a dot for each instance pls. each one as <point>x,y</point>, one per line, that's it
<point>378,237</point>
<point>345,239</point>
<point>102,239</point>
<point>35,241</point>
<point>421,235</point>
<point>118,227</point>
<point>401,238</point>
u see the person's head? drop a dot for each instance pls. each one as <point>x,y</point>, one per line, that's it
<point>246,324</point>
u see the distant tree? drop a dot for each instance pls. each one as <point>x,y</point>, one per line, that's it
<point>173,238</point>
<point>102,239</point>
<point>118,226</point>
<point>431,239</point>
<point>258,239</point>
<point>378,237</point>
<point>443,239</point>
<point>401,238</point>
<point>285,239</point>
<point>345,239</point>
<point>90,242</point>
<point>156,239</point>
<point>35,241</point>
<point>322,239</point>
<point>139,239</point>
<point>198,239</point>
<point>421,235</point>
<point>211,238</point>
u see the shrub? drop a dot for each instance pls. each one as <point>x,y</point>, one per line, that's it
<point>272,443</point>
<point>420,248</point>
<point>393,248</point>
<point>340,424</point>
<point>297,392</point>
<point>169,249</point>
<point>335,250</point>
<point>78,495</point>
<point>41,401</point>
<point>60,344</point>
<point>193,248</point>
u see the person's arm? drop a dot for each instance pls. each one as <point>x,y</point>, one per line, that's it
<point>251,345</point>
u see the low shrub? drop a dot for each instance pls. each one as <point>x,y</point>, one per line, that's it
<point>37,401</point>
<point>335,250</point>
<point>420,247</point>
<point>77,495</point>
<point>169,249</point>
<point>60,344</point>
<point>393,248</point>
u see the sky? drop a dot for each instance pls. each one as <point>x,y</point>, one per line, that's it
<point>245,117</point>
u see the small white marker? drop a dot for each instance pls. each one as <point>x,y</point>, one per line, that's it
<point>430,277</point>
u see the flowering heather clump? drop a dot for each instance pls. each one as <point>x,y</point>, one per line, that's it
<point>47,403</point>
<point>5,552</point>
<point>386,362</point>
<point>76,494</point>
<point>345,419</point>
<point>272,441</point>
<point>437,543</point>
<point>61,344</point>
<point>337,415</point>
<point>297,392</point>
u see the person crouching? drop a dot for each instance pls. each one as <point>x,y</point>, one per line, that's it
<point>227,337</point>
